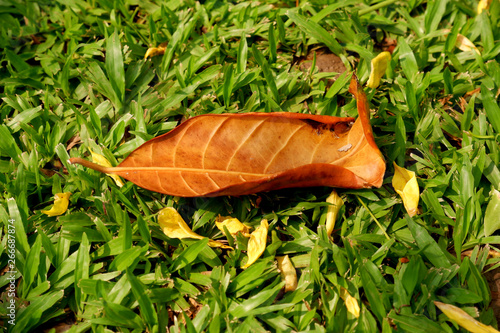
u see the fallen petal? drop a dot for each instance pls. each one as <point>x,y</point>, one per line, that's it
<point>154,51</point>
<point>103,161</point>
<point>483,5</point>
<point>463,319</point>
<point>257,243</point>
<point>379,66</point>
<point>332,211</point>
<point>61,203</point>
<point>214,243</point>
<point>288,273</point>
<point>233,225</point>
<point>351,303</point>
<point>173,225</point>
<point>405,184</point>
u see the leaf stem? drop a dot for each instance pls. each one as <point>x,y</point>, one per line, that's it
<point>375,7</point>
<point>373,217</point>
<point>91,165</point>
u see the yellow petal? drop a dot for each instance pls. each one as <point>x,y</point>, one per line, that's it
<point>257,243</point>
<point>173,225</point>
<point>351,303</point>
<point>154,51</point>
<point>233,225</point>
<point>288,273</point>
<point>463,319</point>
<point>102,161</point>
<point>214,243</point>
<point>405,184</point>
<point>379,66</point>
<point>483,5</point>
<point>61,202</point>
<point>332,211</point>
<point>464,44</point>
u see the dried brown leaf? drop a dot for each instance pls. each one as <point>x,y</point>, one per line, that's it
<point>236,154</point>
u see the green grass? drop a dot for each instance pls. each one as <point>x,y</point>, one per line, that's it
<point>73,78</point>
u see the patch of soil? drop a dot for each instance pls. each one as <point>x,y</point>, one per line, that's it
<point>325,62</point>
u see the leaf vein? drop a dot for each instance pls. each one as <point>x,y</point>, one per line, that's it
<point>244,141</point>
<point>283,147</point>
<point>187,184</point>
<point>174,151</point>
<point>210,140</point>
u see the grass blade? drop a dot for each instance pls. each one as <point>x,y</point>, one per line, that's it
<point>114,67</point>
<point>146,306</point>
<point>241,62</point>
<point>31,266</point>
<point>430,249</point>
<point>491,108</point>
<point>316,31</point>
<point>81,272</point>
<point>189,255</point>
<point>30,317</point>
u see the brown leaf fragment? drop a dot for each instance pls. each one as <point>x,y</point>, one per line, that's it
<point>473,92</point>
<point>75,140</point>
<point>238,154</point>
<point>389,44</point>
<point>47,172</point>
<point>491,254</point>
